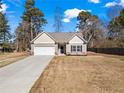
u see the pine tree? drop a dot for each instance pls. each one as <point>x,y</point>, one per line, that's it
<point>4,29</point>
<point>34,17</point>
<point>32,23</point>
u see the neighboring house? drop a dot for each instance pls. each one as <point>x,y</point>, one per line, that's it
<point>57,43</point>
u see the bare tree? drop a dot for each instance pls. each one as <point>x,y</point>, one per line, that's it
<point>90,26</point>
<point>114,11</point>
<point>58,20</point>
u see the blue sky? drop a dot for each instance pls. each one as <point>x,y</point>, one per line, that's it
<point>70,9</point>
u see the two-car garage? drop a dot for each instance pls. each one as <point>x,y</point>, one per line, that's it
<point>43,44</point>
<point>44,50</point>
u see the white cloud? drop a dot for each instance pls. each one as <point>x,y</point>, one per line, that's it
<point>111,4</point>
<point>66,20</point>
<point>4,8</point>
<point>94,1</point>
<point>72,13</point>
<point>122,3</point>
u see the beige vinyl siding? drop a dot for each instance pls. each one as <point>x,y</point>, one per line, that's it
<point>69,52</point>
<point>56,49</point>
<point>84,48</point>
<point>44,38</point>
<point>76,39</point>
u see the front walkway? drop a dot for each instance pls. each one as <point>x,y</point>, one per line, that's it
<point>19,77</point>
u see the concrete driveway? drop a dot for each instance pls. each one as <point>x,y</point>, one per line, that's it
<point>19,77</point>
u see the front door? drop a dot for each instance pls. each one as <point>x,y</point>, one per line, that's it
<point>62,49</point>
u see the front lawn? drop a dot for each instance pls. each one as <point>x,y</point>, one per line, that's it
<point>9,58</point>
<point>82,74</point>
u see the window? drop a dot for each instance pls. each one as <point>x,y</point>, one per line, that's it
<point>77,48</point>
<point>73,48</point>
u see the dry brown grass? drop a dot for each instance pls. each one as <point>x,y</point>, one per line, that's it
<point>8,58</point>
<point>87,74</point>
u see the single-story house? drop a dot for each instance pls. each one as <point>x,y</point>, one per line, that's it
<point>57,43</point>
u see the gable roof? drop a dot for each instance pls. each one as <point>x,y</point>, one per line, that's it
<point>40,35</point>
<point>79,35</point>
<point>62,37</point>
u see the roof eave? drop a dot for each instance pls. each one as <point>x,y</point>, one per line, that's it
<point>32,42</point>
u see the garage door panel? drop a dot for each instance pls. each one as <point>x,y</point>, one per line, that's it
<point>44,50</point>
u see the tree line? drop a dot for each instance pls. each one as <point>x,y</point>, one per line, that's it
<point>5,35</point>
<point>31,25</point>
<point>89,25</point>
<point>97,36</point>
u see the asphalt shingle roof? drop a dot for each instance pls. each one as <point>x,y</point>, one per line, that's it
<point>63,37</point>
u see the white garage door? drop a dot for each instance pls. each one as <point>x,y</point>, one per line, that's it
<point>44,50</point>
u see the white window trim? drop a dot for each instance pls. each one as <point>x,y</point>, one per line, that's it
<point>77,47</point>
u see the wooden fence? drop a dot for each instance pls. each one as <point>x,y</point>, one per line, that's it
<point>114,51</point>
